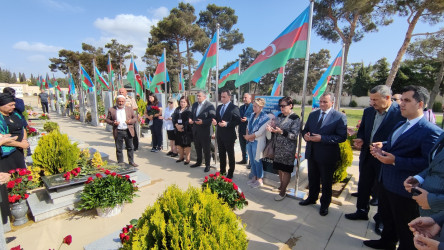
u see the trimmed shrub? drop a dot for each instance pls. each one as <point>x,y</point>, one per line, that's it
<point>55,153</point>
<point>437,107</point>
<point>97,160</point>
<point>191,219</point>
<point>141,107</point>
<point>353,104</point>
<point>50,126</point>
<point>345,162</point>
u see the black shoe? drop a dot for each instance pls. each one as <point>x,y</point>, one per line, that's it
<point>174,154</point>
<point>374,202</point>
<point>195,165</point>
<point>355,194</point>
<point>358,215</point>
<point>180,160</point>
<point>379,244</point>
<point>170,153</point>
<point>323,211</point>
<point>230,176</point>
<point>186,163</point>
<point>207,168</point>
<point>242,162</point>
<point>379,227</point>
<point>306,202</point>
<point>248,166</point>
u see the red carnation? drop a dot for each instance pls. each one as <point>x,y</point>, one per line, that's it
<point>11,199</point>
<point>11,171</point>
<point>26,196</point>
<point>98,175</point>
<point>124,230</point>
<point>127,177</point>
<point>107,172</point>
<point>113,174</point>
<point>211,175</point>
<point>130,226</point>
<point>206,180</point>
<point>67,240</point>
<point>16,248</point>
<point>29,178</point>
<point>10,184</point>
<point>127,238</point>
<point>217,174</point>
<point>235,186</point>
<point>206,177</point>
<point>18,180</point>
<point>229,180</point>
<point>133,181</point>
<point>18,197</point>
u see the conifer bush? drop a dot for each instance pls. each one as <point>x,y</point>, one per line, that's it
<point>192,219</point>
<point>345,161</point>
<point>55,153</point>
<point>50,126</point>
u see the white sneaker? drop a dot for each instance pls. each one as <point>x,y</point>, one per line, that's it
<point>257,184</point>
<point>251,182</point>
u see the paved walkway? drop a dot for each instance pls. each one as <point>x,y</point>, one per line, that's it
<point>270,224</point>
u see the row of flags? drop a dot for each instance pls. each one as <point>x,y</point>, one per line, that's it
<point>289,44</point>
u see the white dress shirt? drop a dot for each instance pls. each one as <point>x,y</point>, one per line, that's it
<point>121,118</point>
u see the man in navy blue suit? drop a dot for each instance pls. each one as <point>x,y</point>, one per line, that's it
<point>324,130</point>
<point>404,154</point>
<point>377,123</point>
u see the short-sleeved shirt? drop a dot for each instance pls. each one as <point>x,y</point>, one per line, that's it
<point>130,102</point>
<point>43,97</point>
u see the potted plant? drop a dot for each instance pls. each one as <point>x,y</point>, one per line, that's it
<point>107,193</point>
<point>20,183</point>
<point>226,189</point>
<point>102,120</point>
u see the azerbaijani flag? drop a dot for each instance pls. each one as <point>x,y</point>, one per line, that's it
<point>291,43</point>
<point>208,61</point>
<point>39,82</point>
<point>333,70</point>
<point>232,73</point>
<point>181,82</point>
<point>146,81</point>
<point>276,91</point>
<point>109,66</point>
<point>56,84</point>
<point>85,78</point>
<point>100,78</point>
<point>48,82</point>
<point>72,87</point>
<point>159,76</point>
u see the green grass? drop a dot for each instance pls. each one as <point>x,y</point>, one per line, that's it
<point>353,115</point>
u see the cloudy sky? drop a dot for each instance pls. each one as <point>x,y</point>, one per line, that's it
<point>35,30</point>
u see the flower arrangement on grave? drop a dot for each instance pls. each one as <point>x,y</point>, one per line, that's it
<point>226,189</point>
<point>19,184</point>
<point>44,117</point>
<point>102,118</point>
<point>127,230</point>
<point>108,191</point>
<point>186,218</point>
<point>30,131</point>
<point>34,114</point>
<point>88,117</point>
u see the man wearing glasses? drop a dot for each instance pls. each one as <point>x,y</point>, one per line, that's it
<point>397,98</point>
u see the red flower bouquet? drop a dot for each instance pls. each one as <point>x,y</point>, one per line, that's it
<point>226,189</point>
<point>153,111</point>
<point>20,183</point>
<point>31,131</point>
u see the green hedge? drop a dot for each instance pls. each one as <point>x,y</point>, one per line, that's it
<point>345,161</point>
<point>192,219</point>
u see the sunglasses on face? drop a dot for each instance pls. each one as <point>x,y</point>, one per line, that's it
<point>283,106</point>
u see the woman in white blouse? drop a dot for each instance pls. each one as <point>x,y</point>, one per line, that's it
<point>168,125</point>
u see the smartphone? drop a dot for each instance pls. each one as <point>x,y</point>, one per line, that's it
<point>416,192</point>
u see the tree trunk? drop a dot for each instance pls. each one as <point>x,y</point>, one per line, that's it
<point>403,49</point>
<point>189,64</point>
<point>435,89</point>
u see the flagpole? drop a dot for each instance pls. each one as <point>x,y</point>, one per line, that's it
<point>217,89</point>
<point>240,97</point>
<point>304,89</point>
<point>283,78</point>
<point>82,99</point>
<point>110,77</point>
<point>165,71</point>
<point>341,78</point>
<point>96,117</point>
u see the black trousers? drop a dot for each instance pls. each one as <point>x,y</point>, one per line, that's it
<point>124,136</point>
<point>396,212</point>
<point>320,173</point>
<point>203,143</point>
<point>156,133</point>
<point>368,174</point>
<point>243,146</point>
<point>45,107</point>
<point>225,148</point>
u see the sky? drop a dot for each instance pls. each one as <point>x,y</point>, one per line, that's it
<point>35,30</point>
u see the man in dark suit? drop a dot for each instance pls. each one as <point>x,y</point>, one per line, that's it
<point>245,112</point>
<point>202,113</point>
<point>376,124</point>
<point>122,118</point>
<point>227,118</point>
<point>324,130</point>
<point>404,154</point>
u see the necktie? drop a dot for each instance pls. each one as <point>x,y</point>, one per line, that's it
<point>399,132</point>
<point>320,121</point>
<point>222,110</point>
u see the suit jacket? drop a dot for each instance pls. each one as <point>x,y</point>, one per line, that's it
<point>245,111</point>
<point>411,151</point>
<point>434,180</point>
<point>206,114</point>
<point>392,118</point>
<point>111,117</point>
<point>333,131</point>
<point>232,116</point>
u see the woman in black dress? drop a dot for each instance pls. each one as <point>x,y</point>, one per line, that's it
<point>183,130</point>
<point>157,123</point>
<point>11,152</point>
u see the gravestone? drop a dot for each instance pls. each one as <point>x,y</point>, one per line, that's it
<point>108,104</point>
<point>94,112</point>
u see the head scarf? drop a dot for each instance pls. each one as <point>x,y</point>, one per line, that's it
<point>6,98</point>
